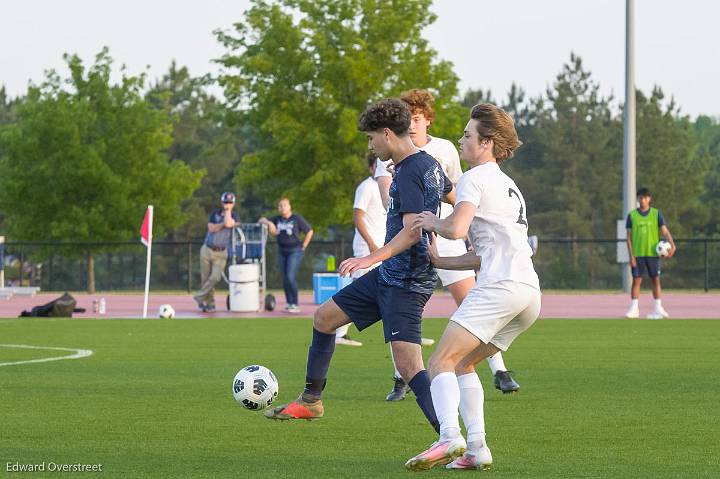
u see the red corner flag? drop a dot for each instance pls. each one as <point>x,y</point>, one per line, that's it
<point>146,238</point>
<point>146,228</point>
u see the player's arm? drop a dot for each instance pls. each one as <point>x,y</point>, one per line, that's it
<point>454,226</point>
<point>271,226</point>
<point>384,187</point>
<point>633,261</point>
<point>383,176</point>
<point>402,241</point>
<point>359,220</point>
<point>450,197</point>
<point>468,261</point>
<point>668,237</point>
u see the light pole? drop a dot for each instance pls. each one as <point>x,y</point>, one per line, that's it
<point>629,181</point>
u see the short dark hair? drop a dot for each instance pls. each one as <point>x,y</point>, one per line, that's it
<point>371,159</point>
<point>391,113</point>
<point>643,192</point>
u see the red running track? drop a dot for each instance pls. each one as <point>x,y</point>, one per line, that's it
<point>555,305</point>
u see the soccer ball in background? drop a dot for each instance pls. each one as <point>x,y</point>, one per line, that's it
<point>663,248</point>
<point>166,312</point>
<point>255,387</point>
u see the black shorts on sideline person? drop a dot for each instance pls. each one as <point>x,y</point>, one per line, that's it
<point>646,263</point>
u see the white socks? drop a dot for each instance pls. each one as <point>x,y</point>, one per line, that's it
<point>635,304</point>
<point>342,331</point>
<point>496,363</point>
<point>446,400</point>
<point>658,305</point>
<point>472,398</point>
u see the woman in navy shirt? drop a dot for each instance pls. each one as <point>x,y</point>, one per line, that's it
<point>286,227</point>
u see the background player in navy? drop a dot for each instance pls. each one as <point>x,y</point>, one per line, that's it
<point>395,292</point>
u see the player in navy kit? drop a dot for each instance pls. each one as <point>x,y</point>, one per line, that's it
<point>398,290</point>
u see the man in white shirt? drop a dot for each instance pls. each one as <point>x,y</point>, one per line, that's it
<point>504,302</point>
<point>369,216</point>
<point>458,283</point>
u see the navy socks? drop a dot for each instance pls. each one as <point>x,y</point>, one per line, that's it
<point>420,385</point>
<point>320,353</point>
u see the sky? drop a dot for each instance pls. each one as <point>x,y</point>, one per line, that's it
<point>491,43</point>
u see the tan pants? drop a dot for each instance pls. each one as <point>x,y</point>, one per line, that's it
<point>212,264</point>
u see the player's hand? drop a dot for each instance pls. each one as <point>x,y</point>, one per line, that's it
<point>350,265</point>
<point>671,253</point>
<point>426,221</point>
<point>633,262</point>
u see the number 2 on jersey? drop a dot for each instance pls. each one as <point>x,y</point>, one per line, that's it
<point>520,219</point>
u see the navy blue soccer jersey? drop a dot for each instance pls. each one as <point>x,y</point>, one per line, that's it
<point>418,185</point>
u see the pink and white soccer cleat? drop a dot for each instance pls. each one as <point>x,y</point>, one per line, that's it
<point>440,452</point>
<point>480,459</point>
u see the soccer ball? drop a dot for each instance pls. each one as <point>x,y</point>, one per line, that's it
<point>663,248</point>
<point>166,312</point>
<point>255,387</point>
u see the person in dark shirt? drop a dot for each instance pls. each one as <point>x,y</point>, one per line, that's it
<point>286,227</point>
<point>214,251</point>
<point>398,290</point>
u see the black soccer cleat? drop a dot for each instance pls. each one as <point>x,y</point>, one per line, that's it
<point>399,390</point>
<point>505,383</point>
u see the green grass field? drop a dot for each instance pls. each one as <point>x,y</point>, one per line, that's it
<point>598,399</point>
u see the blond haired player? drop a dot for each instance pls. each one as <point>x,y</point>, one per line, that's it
<point>505,300</point>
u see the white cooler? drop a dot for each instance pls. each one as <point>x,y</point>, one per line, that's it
<point>244,287</point>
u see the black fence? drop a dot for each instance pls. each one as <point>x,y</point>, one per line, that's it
<point>120,266</point>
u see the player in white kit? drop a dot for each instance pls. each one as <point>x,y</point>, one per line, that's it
<point>457,282</point>
<point>505,300</point>
<point>369,217</point>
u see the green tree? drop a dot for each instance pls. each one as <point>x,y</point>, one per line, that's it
<point>84,158</point>
<point>569,168</point>
<point>670,163</point>
<point>301,72</point>
<point>707,131</point>
<point>202,139</point>
<point>570,163</point>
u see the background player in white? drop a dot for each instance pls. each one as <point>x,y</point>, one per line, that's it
<point>457,282</point>
<point>369,216</point>
<point>504,302</point>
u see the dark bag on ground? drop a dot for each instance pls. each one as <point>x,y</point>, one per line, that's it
<point>63,307</point>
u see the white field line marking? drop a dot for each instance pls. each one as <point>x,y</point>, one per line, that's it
<point>78,353</point>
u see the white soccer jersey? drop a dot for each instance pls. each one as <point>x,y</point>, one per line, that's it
<point>446,154</point>
<point>367,198</point>
<point>498,231</point>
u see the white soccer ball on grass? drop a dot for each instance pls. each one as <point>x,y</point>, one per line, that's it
<point>255,387</point>
<point>166,311</point>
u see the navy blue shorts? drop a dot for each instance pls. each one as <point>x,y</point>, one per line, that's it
<point>649,263</point>
<point>367,300</point>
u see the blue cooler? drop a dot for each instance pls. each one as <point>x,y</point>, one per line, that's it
<point>327,284</point>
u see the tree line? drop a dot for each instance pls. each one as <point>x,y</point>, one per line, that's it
<point>81,155</point>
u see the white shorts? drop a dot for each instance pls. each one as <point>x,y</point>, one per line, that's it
<point>497,313</point>
<point>448,247</point>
